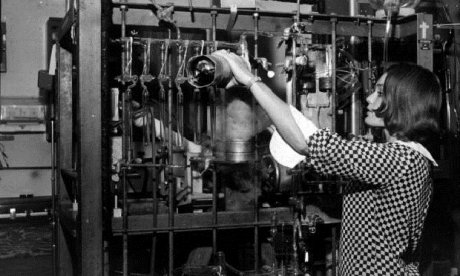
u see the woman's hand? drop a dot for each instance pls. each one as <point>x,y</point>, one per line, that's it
<point>241,69</point>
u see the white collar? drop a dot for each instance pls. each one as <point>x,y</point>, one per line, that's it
<point>420,148</point>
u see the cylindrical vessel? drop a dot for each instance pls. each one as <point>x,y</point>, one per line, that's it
<point>207,70</point>
<point>235,124</point>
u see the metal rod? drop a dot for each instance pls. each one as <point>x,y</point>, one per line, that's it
<point>214,211</point>
<point>213,90</point>
<point>125,155</point>
<point>192,43</point>
<point>243,11</point>
<point>181,58</point>
<point>162,76</point>
<point>125,166</point>
<point>334,249</point>
<point>294,68</point>
<point>333,65</point>
<point>294,261</point>
<point>369,54</point>
<point>256,178</point>
<point>123,10</point>
<point>154,183</point>
<point>298,10</point>
<point>197,228</point>
<point>53,197</point>
<point>171,182</point>
<point>198,128</point>
<point>198,107</point>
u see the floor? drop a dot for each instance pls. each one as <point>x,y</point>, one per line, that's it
<point>26,247</point>
<point>27,266</point>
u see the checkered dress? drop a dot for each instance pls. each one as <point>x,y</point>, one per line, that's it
<point>385,202</point>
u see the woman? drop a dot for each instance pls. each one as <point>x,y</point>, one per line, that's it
<point>389,188</point>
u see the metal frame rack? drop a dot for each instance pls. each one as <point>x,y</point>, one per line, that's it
<point>78,189</point>
<point>79,199</point>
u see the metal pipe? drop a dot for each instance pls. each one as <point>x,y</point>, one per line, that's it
<point>214,211</point>
<point>197,102</point>
<point>256,178</point>
<point>125,155</point>
<point>154,183</point>
<point>294,261</point>
<point>191,42</point>
<point>171,182</point>
<point>53,197</point>
<point>294,69</point>
<point>179,99</point>
<point>355,116</point>
<point>369,53</point>
<point>333,65</point>
<point>197,228</point>
<point>164,52</point>
<point>334,249</point>
<point>213,90</point>
<point>198,118</point>
<point>123,10</point>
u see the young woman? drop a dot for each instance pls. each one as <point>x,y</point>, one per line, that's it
<point>389,189</point>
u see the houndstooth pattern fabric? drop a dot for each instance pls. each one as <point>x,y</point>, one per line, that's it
<point>385,202</point>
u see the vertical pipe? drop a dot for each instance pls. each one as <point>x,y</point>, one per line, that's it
<point>213,90</point>
<point>256,178</point>
<point>125,192</point>
<point>180,96</point>
<point>294,261</point>
<point>154,178</point>
<point>171,182</point>
<point>298,10</point>
<point>198,111</point>
<point>355,114</point>
<point>353,11</point>
<point>334,249</point>
<point>333,65</point>
<point>294,69</point>
<point>198,118</point>
<point>124,58</point>
<point>355,106</point>
<point>53,196</point>
<point>123,10</point>
<point>154,173</point>
<point>214,211</point>
<point>369,53</point>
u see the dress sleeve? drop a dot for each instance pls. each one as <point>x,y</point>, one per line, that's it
<point>371,163</point>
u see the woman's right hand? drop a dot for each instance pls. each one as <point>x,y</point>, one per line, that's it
<point>241,69</point>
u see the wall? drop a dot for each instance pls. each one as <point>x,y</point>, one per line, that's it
<point>26,43</point>
<point>26,55</point>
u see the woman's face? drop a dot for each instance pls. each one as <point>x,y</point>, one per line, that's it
<point>374,101</point>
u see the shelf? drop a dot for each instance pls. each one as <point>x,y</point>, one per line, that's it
<point>201,221</point>
<point>38,203</point>
<point>141,224</point>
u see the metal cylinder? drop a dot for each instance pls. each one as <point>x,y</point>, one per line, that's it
<point>208,70</point>
<point>235,126</point>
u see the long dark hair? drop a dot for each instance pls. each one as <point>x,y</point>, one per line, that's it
<point>411,103</point>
